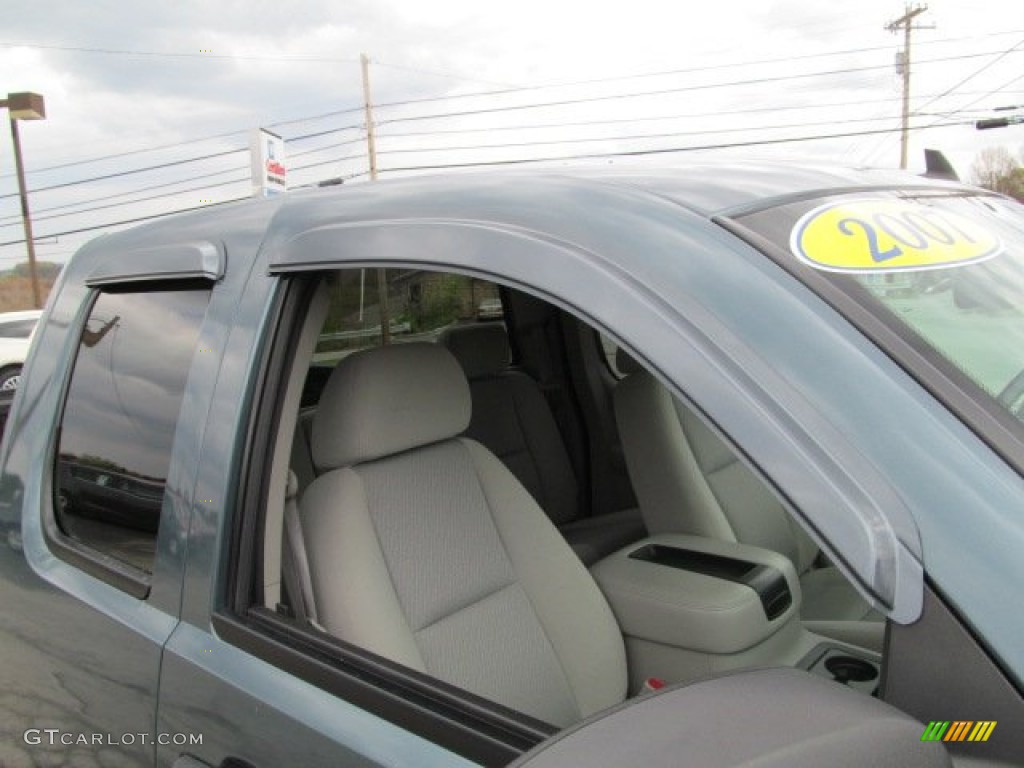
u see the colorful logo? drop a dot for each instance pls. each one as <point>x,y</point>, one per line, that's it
<point>958,730</point>
<point>881,236</point>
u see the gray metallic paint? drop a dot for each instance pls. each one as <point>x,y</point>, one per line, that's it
<point>634,254</point>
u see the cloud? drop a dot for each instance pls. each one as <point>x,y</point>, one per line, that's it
<point>106,103</point>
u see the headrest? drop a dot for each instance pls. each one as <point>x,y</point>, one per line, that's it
<point>625,363</point>
<point>481,348</point>
<point>385,400</point>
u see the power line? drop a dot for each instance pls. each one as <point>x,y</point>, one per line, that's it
<point>663,151</point>
<point>727,65</point>
<point>180,181</point>
<point>564,102</point>
<point>969,104</point>
<point>326,132</point>
<point>150,217</point>
<point>966,106</point>
<point>17,217</point>
<point>635,137</point>
<point>630,120</point>
<point>349,60</point>
<point>676,134</point>
<point>974,74</point>
<point>588,156</point>
<point>121,204</point>
<point>198,140</point>
<point>661,92</point>
<point>411,118</point>
<point>395,151</point>
<point>180,55</point>
<point>293,155</point>
<point>241,57</point>
<point>128,153</point>
<point>241,179</point>
<point>668,72</point>
<point>175,193</point>
<point>500,92</point>
<point>129,221</point>
<point>118,174</point>
<point>125,194</point>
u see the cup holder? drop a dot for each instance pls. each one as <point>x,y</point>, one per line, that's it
<point>861,673</point>
<point>847,669</point>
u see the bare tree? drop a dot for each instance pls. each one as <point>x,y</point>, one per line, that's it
<point>996,169</point>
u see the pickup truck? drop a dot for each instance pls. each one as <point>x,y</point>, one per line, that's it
<point>708,490</point>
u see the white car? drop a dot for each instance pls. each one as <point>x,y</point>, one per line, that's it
<point>16,329</point>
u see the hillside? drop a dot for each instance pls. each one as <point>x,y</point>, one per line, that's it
<point>16,286</point>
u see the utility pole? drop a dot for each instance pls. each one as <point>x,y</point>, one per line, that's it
<point>904,21</point>
<point>371,151</point>
<point>26,218</point>
<point>25,106</point>
<point>371,142</point>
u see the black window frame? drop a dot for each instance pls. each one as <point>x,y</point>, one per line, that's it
<point>466,724</point>
<point>105,567</point>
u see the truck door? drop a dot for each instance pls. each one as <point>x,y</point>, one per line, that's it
<point>96,518</point>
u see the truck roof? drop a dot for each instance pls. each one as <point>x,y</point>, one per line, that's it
<point>519,199</point>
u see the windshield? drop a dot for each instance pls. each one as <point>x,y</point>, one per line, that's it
<point>945,271</point>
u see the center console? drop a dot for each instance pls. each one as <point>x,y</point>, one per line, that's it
<point>692,606</point>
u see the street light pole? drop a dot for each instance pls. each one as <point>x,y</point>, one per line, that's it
<point>25,106</point>
<point>26,218</point>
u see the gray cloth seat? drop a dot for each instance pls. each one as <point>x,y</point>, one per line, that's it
<point>512,419</point>
<point>688,480</point>
<point>423,547</point>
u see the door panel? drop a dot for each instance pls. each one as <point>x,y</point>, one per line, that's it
<point>249,710</point>
<point>73,668</point>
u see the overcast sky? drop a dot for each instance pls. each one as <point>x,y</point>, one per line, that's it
<point>187,79</point>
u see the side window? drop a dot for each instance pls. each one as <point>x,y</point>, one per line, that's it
<point>397,544</point>
<point>419,306</point>
<point>119,420</point>
<point>417,303</point>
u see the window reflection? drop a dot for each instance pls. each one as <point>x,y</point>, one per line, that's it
<point>119,420</point>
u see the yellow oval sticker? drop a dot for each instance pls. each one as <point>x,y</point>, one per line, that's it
<point>868,236</point>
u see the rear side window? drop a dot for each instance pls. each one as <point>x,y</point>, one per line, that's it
<point>119,421</point>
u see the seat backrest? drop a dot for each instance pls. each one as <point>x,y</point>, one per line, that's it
<point>513,420</point>
<point>425,549</point>
<point>687,480</point>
